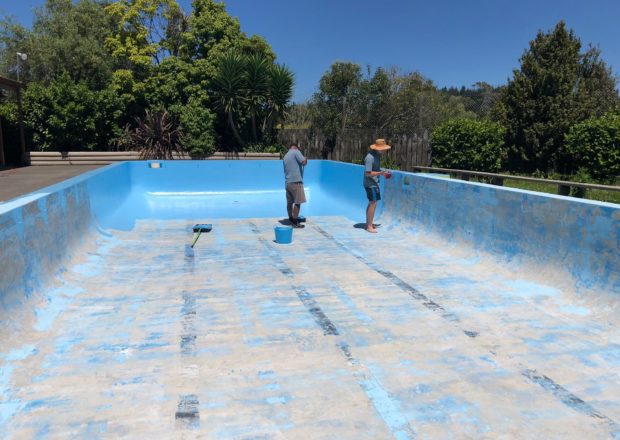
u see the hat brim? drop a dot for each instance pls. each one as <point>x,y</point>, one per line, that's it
<point>380,147</point>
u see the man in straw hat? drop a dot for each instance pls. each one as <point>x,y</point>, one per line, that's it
<point>371,180</point>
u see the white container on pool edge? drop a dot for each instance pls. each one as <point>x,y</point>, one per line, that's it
<point>284,234</point>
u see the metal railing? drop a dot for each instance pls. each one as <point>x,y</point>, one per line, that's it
<point>564,186</point>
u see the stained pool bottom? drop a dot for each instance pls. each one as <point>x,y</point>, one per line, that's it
<point>342,335</point>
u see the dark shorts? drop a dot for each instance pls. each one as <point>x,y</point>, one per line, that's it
<point>373,194</point>
<point>295,193</point>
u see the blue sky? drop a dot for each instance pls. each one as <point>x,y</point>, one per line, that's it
<point>452,42</point>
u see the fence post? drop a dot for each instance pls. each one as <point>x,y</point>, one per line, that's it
<point>563,190</point>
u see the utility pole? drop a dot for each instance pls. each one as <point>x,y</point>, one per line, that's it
<point>20,57</point>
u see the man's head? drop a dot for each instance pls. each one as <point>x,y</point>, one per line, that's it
<point>293,147</point>
<point>379,146</point>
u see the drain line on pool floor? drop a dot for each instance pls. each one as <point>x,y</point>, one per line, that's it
<point>387,408</point>
<point>187,413</point>
<point>566,397</point>
<point>403,285</point>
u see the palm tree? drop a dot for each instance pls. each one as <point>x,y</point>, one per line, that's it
<point>281,80</point>
<point>258,81</point>
<point>230,88</point>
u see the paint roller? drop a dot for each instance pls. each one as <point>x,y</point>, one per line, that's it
<point>199,229</point>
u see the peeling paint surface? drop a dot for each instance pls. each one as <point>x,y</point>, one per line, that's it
<point>409,333</point>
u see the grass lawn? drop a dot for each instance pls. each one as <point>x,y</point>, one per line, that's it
<point>592,194</point>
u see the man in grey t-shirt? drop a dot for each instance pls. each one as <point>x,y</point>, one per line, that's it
<point>372,171</point>
<point>294,162</point>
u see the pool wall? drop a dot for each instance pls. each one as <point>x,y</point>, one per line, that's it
<point>41,231</point>
<point>578,237</point>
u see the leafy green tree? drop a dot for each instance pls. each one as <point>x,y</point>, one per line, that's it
<point>376,109</point>
<point>66,38</point>
<point>64,115</point>
<point>299,116</point>
<point>386,102</point>
<point>142,34</point>
<point>555,87</point>
<point>481,99</point>
<point>13,39</point>
<point>335,104</point>
<point>212,32</point>
<point>196,122</point>
<point>127,57</point>
<point>418,106</point>
<point>594,146</point>
<point>468,144</point>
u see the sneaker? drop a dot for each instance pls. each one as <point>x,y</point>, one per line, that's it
<point>298,225</point>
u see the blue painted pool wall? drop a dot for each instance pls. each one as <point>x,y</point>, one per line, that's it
<point>332,189</point>
<point>344,181</point>
<point>217,175</point>
<point>579,237</point>
<point>39,232</point>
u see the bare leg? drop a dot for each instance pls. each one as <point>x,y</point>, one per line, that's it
<point>370,214</point>
<point>296,210</point>
<point>289,209</point>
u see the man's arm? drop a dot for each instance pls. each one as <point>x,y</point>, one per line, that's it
<point>375,173</point>
<point>301,159</point>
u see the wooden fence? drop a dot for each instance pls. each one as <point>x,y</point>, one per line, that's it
<point>407,150</point>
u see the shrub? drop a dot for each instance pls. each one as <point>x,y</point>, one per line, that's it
<point>197,124</point>
<point>266,148</point>
<point>593,146</point>
<point>468,144</point>
<point>156,136</point>
<point>70,116</point>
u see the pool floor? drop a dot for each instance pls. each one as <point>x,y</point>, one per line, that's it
<point>342,335</point>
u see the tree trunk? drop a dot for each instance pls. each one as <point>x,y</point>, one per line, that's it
<point>254,132</point>
<point>233,127</point>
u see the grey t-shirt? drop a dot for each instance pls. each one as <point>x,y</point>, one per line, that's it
<point>293,170</point>
<point>372,162</point>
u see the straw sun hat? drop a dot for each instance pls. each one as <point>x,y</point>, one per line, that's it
<point>380,145</point>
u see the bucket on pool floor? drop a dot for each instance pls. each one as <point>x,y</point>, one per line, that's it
<point>284,234</point>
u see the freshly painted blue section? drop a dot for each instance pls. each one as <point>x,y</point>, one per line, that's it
<point>231,189</point>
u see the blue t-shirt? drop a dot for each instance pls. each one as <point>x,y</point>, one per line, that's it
<point>293,170</point>
<point>372,162</point>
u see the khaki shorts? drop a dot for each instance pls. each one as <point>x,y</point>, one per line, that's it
<point>295,193</point>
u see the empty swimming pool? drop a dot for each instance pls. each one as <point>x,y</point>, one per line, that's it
<point>476,312</point>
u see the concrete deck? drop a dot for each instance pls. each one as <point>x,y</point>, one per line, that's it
<point>342,335</point>
<point>16,182</point>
